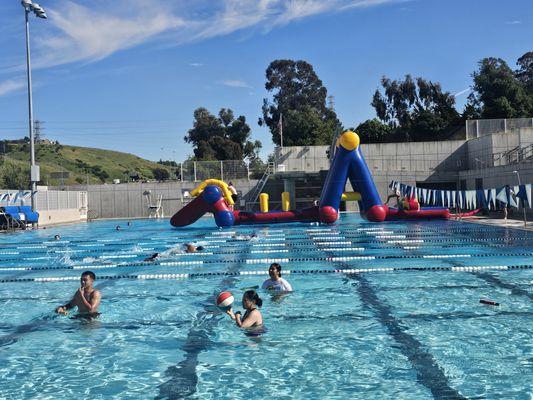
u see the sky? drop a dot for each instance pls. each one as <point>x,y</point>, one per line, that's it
<point>127,75</point>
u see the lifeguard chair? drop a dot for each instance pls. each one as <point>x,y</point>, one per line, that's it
<point>155,208</point>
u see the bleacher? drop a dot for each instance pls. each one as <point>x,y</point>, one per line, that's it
<point>13,217</point>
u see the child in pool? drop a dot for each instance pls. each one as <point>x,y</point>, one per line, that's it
<point>252,317</point>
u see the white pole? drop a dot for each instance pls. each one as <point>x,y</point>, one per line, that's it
<point>523,205</point>
<point>280,127</point>
<point>33,176</point>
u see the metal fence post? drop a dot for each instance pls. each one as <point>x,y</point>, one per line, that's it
<point>505,125</point>
<point>248,171</point>
<point>181,172</point>
<point>477,128</point>
<point>194,170</point>
<point>221,171</point>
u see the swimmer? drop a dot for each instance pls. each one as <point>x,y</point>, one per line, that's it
<point>252,317</point>
<point>57,237</point>
<point>129,223</point>
<point>87,298</point>
<point>191,248</point>
<point>276,282</point>
<point>118,228</point>
<point>153,257</point>
<point>244,237</point>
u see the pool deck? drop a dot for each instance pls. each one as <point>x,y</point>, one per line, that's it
<point>500,222</point>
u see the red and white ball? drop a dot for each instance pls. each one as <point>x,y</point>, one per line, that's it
<point>225,300</point>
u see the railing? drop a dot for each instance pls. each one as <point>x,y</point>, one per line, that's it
<point>514,156</point>
<point>480,127</point>
<point>46,200</point>
<point>260,185</point>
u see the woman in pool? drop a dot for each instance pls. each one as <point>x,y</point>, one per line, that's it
<point>252,318</point>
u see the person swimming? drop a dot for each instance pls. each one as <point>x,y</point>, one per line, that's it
<point>153,257</point>
<point>252,320</point>
<point>191,248</point>
<point>244,237</point>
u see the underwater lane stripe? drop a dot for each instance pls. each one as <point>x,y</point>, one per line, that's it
<point>429,372</point>
<point>344,271</point>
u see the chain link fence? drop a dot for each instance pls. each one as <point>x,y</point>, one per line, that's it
<point>196,171</point>
<point>480,127</point>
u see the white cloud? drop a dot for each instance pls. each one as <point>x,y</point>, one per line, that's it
<point>196,64</point>
<point>86,32</point>
<point>11,85</point>
<point>515,22</point>
<point>235,83</point>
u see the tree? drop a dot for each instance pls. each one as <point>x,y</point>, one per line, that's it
<point>414,109</point>
<point>14,177</point>
<point>298,95</point>
<point>160,174</point>
<point>497,91</point>
<point>373,131</point>
<point>220,138</point>
<point>524,73</point>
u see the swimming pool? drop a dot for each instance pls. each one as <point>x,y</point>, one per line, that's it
<point>406,324</point>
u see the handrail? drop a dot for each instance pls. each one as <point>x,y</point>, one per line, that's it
<point>260,185</point>
<point>513,156</point>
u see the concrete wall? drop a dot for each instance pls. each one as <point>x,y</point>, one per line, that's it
<point>413,156</point>
<point>127,201</point>
<point>53,217</point>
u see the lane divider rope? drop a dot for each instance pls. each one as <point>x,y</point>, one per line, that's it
<point>347,271</point>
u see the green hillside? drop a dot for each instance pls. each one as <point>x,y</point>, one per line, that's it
<point>71,165</point>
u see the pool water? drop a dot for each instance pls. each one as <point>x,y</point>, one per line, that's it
<point>406,324</point>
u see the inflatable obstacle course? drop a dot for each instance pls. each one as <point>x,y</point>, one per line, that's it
<point>348,164</point>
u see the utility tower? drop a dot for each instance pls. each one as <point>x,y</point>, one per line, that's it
<point>331,102</point>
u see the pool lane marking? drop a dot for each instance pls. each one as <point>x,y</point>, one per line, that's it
<point>399,230</point>
<point>344,271</point>
<point>183,377</point>
<point>494,280</point>
<point>390,236</point>
<point>269,261</point>
<point>354,239</point>
<point>429,373</point>
<point>269,251</point>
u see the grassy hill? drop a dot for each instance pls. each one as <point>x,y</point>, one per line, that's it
<point>81,163</point>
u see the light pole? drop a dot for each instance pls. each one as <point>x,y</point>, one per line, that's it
<point>29,6</point>
<point>523,207</point>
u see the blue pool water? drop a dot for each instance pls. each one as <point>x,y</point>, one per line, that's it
<point>409,325</point>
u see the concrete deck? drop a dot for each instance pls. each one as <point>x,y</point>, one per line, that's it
<point>500,222</point>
